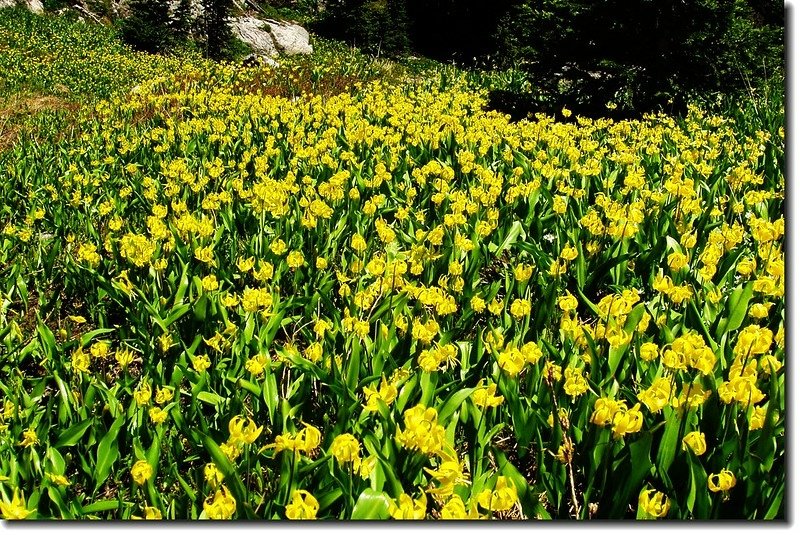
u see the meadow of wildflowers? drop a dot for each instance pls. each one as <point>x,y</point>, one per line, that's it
<point>331,290</point>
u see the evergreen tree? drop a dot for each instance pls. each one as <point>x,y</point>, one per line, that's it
<point>218,35</point>
<point>147,27</point>
<point>181,20</point>
<point>376,26</point>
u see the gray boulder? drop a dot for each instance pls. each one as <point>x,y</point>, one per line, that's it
<point>33,5</point>
<point>271,38</point>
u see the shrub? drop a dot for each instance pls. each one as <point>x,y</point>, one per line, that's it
<point>639,54</point>
<point>379,27</point>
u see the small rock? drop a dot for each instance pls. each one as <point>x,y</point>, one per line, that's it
<point>254,60</point>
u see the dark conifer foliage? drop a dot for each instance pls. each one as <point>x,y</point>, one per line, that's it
<point>380,27</point>
<point>147,27</point>
<point>214,24</point>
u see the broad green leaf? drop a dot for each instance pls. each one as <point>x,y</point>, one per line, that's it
<point>736,308</point>
<point>73,434</point>
<point>107,452</point>
<point>371,505</point>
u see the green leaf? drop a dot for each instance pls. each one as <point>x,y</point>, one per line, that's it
<point>701,500</point>
<point>371,505</point>
<point>633,474</point>
<point>453,403</point>
<point>49,344</point>
<point>428,382</point>
<point>107,452</point>
<point>104,505</point>
<point>736,306</point>
<point>91,335</point>
<point>514,232</point>
<point>210,398</point>
<point>73,434</point>
<point>669,442</point>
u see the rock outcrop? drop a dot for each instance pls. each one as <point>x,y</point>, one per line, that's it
<point>33,5</point>
<point>270,38</point>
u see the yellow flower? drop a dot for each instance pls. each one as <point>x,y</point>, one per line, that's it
<point>502,498</point>
<point>367,466</point>
<point>358,243</point>
<point>124,357</point>
<point>256,364</point>
<point>477,304</point>
<point>205,255</point>
<point>575,382</point>
<point>605,409</point>
<point>212,475</point>
<point>58,479</point>
<point>200,363</point>
<point>345,448</point>
<point>406,508</point>
<point>141,471</point>
<point>511,360</point>
<point>531,352</point>
<point>658,395</point>
<point>313,352</point>
<point>449,473</point>
<point>495,307</point>
<point>15,509</point>
<point>244,265</point>
<point>520,308</point>
<point>278,247</point>
<point>210,283</point>
<point>99,350</point>
<point>523,272</point>
<point>696,441</point>
<point>758,418</point>
<point>243,431</point>
<point>567,302</point>
<point>165,342</point>
<point>422,430</point>
<point>295,259</point>
<point>721,482</point>
<point>157,415</point>
<point>387,393</point>
<point>746,266</point>
<point>142,394</point>
<point>254,300</point>
<point>456,509</point>
<point>654,504</point>
<point>80,360</point>
<point>629,421</point>
<point>677,261</point>
<point>648,351</point>
<point>308,439</point>
<point>303,506</point>
<point>29,438</point>
<point>150,513</point>
<point>221,506</point>
<point>164,395</point>
<point>569,253</point>
<point>485,397</point>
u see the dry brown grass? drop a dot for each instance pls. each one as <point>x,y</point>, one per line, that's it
<point>17,109</point>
